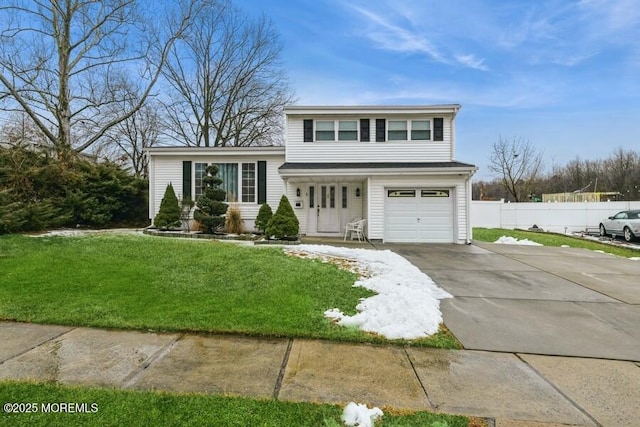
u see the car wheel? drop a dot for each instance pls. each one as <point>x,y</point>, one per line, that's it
<point>603,232</point>
<point>628,235</point>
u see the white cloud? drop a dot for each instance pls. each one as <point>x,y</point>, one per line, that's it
<point>393,37</point>
<point>609,16</point>
<point>472,62</point>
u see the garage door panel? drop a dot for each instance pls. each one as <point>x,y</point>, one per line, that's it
<point>419,219</point>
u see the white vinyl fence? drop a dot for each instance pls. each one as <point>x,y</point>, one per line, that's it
<point>557,217</point>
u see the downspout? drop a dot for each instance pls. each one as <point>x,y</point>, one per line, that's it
<point>151,165</point>
<point>468,207</point>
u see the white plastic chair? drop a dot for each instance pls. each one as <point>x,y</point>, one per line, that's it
<point>356,227</point>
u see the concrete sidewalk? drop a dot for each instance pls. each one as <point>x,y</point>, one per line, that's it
<point>509,389</point>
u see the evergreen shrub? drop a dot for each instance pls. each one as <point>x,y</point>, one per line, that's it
<point>169,214</point>
<point>264,215</point>
<point>284,223</point>
<point>210,206</point>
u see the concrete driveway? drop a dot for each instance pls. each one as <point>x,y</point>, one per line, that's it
<point>536,300</point>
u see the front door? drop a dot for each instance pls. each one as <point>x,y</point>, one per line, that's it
<point>327,210</point>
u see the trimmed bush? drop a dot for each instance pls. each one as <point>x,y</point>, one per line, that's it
<point>264,215</point>
<point>169,214</point>
<point>284,223</point>
<point>210,205</point>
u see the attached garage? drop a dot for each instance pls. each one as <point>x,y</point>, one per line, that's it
<point>419,215</point>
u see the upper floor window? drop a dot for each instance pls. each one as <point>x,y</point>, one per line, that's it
<point>409,130</point>
<point>397,130</point>
<point>420,130</point>
<point>326,130</point>
<point>348,130</point>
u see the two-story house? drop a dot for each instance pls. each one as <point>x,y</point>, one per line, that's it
<point>391,165</point>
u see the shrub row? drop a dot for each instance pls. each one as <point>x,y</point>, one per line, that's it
<point>39,192</point>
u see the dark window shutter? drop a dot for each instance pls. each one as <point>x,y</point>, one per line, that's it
<point>438,129</point>
<point>308,130</point>
<point>262,182</point>
<point>364,130</point>
<point>186,180</point>
<point>381,128</point>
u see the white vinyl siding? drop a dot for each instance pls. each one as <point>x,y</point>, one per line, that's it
<point>165,169</point>
<point>356,151</point>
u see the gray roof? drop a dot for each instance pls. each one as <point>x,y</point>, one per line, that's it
<point>374,165</point>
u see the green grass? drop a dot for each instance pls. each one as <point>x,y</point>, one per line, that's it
<point>138,408</point>
<point>164,284</point>
<point>551,239</point>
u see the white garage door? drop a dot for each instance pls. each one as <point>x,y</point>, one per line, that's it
<point>418,215</point>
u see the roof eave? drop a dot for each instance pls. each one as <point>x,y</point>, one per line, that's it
<point>301,110</point>
<point>215,151</point>
<point>378,171</point>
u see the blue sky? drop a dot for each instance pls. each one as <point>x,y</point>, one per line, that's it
<point>563,74</point>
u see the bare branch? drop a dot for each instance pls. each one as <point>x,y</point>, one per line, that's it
<point>518,163</point>
<point>229,87</point>
<point>61,61</point>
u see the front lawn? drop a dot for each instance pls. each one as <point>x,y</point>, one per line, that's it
<point>103,407</point>
<point>551,239</point>
<point>163,284</point>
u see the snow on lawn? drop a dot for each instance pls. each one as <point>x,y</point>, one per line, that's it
<point>407,304</point>
<point>505,240</point>
<point>83,232</point>
<point>357,414</point>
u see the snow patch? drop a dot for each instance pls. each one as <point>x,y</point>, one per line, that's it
<point>635,258</point>
<point>83,233</point>
<point>357,414</point>
<point>407,304</point>
<point>508,240</point>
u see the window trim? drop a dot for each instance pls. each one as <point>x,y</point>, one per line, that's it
<point>197,190</point>
<point>336,130</point>
<point>253,185</point>
<point>409,129</point>
<point>316,130</point>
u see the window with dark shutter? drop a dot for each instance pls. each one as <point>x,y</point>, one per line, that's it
<point>364,130</point>
<point>438,129</point>
<point>308,130</point>
<point>186,180</point>
<point>262,182</point>
<point>381,130</point>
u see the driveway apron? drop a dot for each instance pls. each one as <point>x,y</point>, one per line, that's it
<point>537,300</point>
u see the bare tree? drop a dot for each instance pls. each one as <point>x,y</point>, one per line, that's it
<point>127,140</point>
<point>517,163</point>
<point>65,62</point>
<point>229,87</point>
<point>19,130</point>
<point>622,172</point>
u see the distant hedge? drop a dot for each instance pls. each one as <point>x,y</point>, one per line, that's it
<point>39,192</point>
